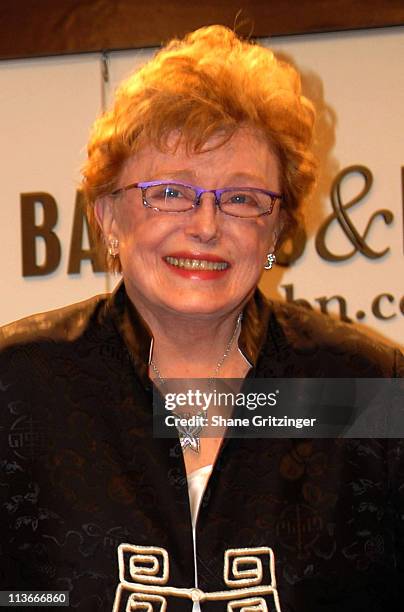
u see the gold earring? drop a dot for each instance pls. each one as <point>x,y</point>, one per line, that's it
<point>113,247</point>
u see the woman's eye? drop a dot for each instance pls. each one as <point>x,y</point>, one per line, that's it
<point>241,198</point>
<point>238,199</point>
<point>170,192</point>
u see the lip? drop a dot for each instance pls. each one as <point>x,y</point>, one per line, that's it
<point>196,274</point>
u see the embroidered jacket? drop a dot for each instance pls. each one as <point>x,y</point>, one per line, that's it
<point>92,504</point>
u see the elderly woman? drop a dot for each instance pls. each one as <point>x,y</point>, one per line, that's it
<point>193,178</point>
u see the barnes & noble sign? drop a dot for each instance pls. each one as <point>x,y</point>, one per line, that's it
<point>384,306</point>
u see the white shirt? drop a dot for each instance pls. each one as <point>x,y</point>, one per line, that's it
<point>197,482</point>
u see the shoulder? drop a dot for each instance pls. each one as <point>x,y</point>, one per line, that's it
<point>47,357</point>
<point>323,346</point>
<point>65,324</point>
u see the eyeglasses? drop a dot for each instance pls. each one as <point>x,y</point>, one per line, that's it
<point>165,196</point>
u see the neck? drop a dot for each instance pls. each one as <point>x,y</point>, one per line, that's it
<point>186,345</point>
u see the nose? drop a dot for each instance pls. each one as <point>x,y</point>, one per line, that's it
<point>203,221</point>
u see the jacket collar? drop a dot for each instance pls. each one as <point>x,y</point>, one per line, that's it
<point>138,338</point>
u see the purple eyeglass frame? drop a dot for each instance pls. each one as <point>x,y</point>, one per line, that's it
<point>199,192</point>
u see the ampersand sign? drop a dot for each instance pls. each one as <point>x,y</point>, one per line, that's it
<point>339,214</point>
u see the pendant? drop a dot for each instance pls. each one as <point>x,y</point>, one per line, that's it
<point>189,436</point>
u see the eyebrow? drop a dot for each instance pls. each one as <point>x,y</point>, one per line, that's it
<point>189,176</point>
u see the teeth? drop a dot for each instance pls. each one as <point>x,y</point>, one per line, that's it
<point>196,264</point>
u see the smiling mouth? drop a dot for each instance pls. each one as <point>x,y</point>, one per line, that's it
<point>196,264</point>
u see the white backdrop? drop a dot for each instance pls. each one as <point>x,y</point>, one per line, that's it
<point>47,106</point>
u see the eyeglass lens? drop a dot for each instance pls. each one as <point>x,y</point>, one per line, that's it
<point>238,203</point>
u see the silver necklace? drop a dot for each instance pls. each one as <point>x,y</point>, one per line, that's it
<point>189,435</point>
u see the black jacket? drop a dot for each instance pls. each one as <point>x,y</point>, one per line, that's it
<point>81,475</point>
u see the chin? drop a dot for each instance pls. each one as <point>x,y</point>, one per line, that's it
<point>200,307</point>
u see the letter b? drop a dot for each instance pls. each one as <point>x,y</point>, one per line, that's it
<point>30,232</point>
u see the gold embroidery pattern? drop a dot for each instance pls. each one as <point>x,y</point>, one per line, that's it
<point>144,573</point>
<point>146,603</point>
<point>248,605</point>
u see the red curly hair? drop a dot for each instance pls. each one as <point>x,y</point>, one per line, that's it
<point>210,82</point>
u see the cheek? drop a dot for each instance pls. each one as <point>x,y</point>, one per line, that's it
<point>126,219</point>
<point>142,233</point>
<point>256,244</point>
<point>130,220</point>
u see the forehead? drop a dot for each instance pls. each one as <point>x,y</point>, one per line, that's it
<point>247,154</point>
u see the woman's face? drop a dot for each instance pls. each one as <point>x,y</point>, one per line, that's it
<point>147,238</point>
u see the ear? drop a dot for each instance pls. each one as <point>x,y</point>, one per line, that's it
<point>104,213</point>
